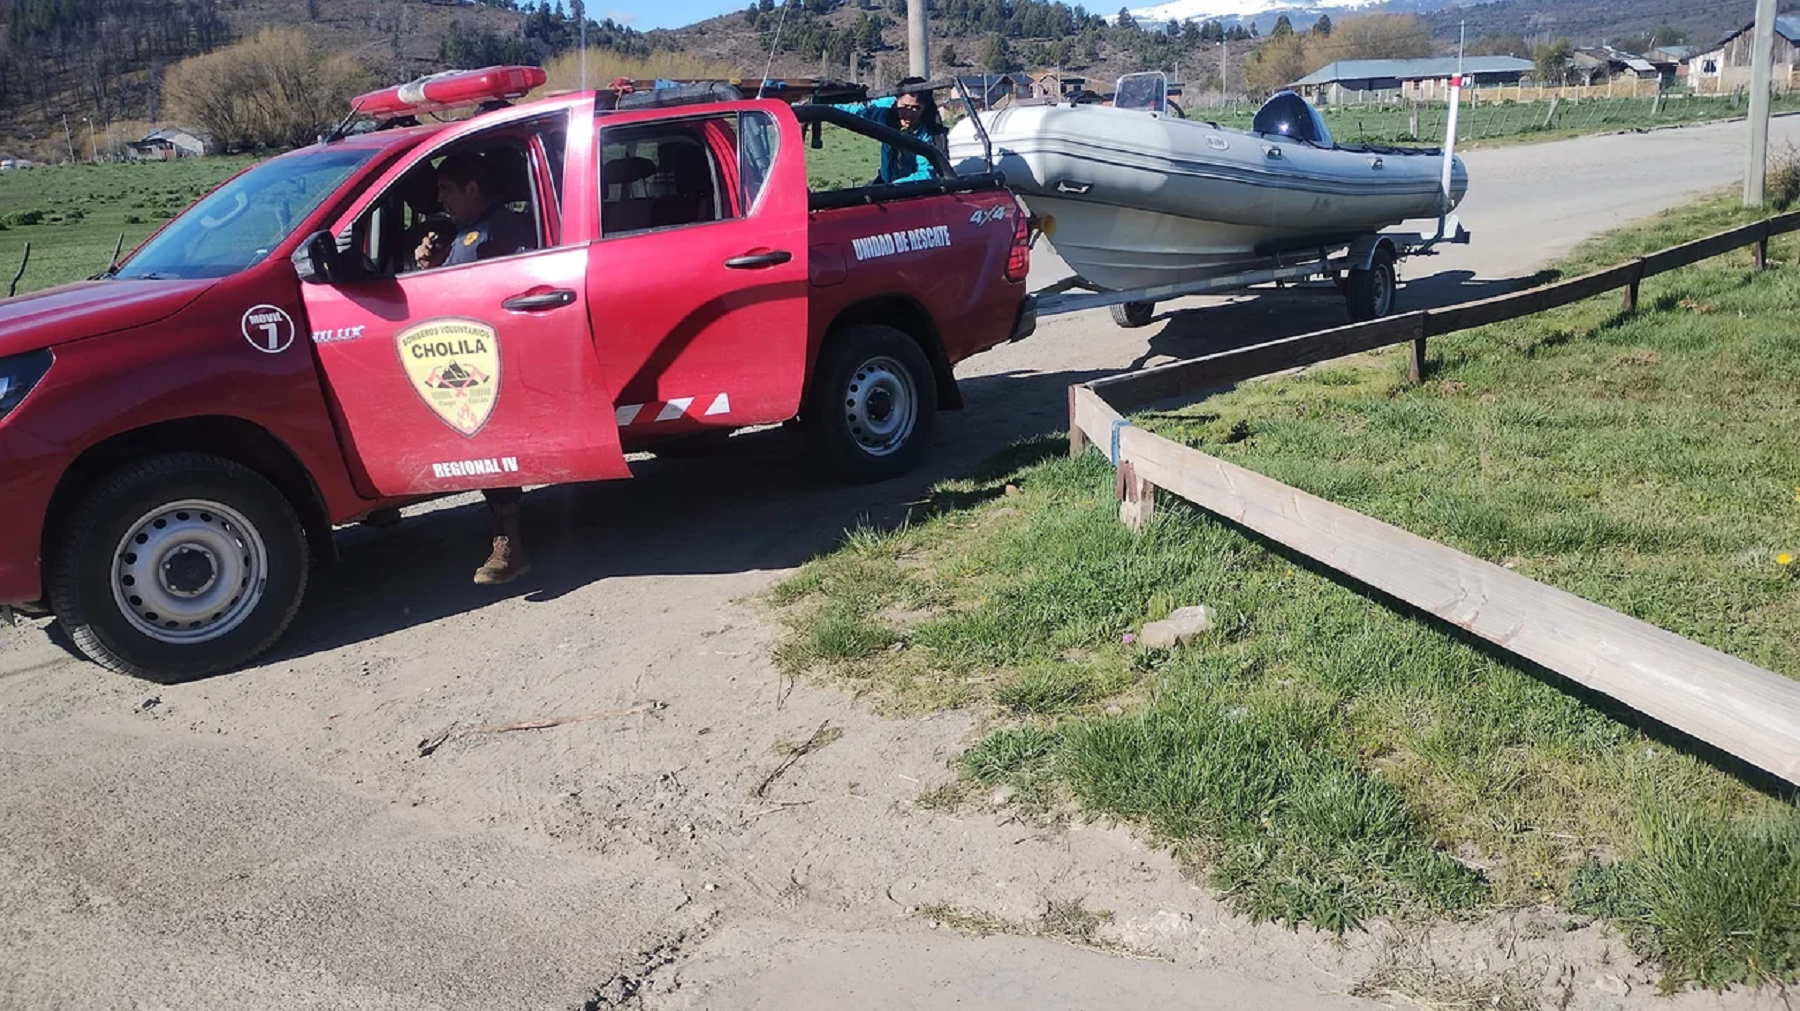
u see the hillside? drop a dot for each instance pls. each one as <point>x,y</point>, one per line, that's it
<point>102,59</point>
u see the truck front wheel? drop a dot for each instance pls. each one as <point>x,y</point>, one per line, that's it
<point>873,400</point>
<point>179,566</point>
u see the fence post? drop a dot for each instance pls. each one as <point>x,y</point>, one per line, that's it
<point>1415,359</point>
<point>1631,289</point>
<point>1762,247</point>
<point>1137,498</point>
<point>1077,438</point>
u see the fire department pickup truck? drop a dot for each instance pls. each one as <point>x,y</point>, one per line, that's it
<point>179,435</point>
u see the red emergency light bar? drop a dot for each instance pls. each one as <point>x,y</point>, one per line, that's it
<point>449,90</point>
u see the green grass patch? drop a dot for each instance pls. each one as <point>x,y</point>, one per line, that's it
<point>1322,758</point>
<point>1492,123</point>
<point>73,215</point>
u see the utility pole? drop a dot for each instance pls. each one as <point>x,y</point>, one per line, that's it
<point>69,137</point>
<point>1224,69</point>
<point>1762,69</point>
<point>918,40</point>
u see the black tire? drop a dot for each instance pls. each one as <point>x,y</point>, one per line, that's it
<point>88,563</point>
<point>1371,293</point>
<point>1132,315</point>
<point>866,375</point>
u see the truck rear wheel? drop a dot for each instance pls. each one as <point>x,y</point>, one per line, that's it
<point>1370,293</point>
<point>179,566</point>
<point>873,400</point>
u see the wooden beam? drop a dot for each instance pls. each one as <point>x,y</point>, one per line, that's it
<point>1077,438</point>
<point>1135,389</point>
<point>1501,308</point>
<point>1689,253</point>
<point>1734,706</point>
<point>1137,498</point>
<point>1094,418</point>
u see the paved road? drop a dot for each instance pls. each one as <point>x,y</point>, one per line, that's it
<point>274,835</point>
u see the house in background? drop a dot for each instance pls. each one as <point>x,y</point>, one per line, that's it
<point>1600,64</point>
<point>1671,63</point>
<point>167,143</point>
<point>1726,67</point>
<point>1383,80</point>
<point>989,90</point>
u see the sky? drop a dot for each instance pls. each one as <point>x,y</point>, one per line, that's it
<point>645,15</point>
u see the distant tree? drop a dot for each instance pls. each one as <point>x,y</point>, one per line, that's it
<point>765,6</point>
<point>1212,31</point>
<point>1500,45</point>
<point>1552,62</point>
<point>1190,32</point>
<point>1126,22</point>
<point>312,10</point>
<point>1283,27</point>
<point>997,55</point>
<point>950,56</point>
<point>1323,26</point>
<point>750,13</point>
<point>1237,34</point>
<point>1374,37</point>
<point>1172,29</point>
<point>1090,47</point>
<point>272,90</point>
<point>1278,63</point>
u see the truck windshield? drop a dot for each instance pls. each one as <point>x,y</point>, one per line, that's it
<point>241,222</point>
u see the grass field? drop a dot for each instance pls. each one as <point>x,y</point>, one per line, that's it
<point>1320,757</point>
<point>73,216</point>
<point>1506,122</point>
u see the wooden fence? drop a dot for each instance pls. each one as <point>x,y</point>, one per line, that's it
<point>1734,706</point>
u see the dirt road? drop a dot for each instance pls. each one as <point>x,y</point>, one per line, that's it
<point>276,836</point>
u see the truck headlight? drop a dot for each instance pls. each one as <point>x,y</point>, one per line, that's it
<point>18,375</point>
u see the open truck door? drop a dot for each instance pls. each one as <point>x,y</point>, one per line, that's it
<point>473,374</point>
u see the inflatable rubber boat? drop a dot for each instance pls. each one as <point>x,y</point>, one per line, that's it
<point>1142,197</point>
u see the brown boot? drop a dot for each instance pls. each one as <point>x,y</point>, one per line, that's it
<point>508,562</point>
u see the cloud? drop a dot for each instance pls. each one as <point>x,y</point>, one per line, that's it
<point>621,17</point>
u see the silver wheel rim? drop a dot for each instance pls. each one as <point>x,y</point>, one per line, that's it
<point>1384,290</point>
<point>189,572</point>
<point>881,406</point>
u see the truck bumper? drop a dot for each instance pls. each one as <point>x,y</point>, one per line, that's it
<point>1026,324</point>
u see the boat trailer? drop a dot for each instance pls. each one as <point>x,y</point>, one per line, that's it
<point>1364,270</point>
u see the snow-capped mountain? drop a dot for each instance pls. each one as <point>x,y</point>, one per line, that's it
<point>1263,13</point>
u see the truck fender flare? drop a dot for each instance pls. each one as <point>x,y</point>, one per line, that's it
<point>904,313</point>
<point>235,439</point>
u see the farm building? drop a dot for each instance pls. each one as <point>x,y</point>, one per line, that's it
<point>1382,80</point>
<point>1599,64</point>
<point>169,142</point>
<point>1726,67</point>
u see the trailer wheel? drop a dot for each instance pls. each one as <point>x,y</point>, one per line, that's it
<point>1132,315</point>
<point>870,410</point>
<point>179,566</point>
<point>1370,293</point>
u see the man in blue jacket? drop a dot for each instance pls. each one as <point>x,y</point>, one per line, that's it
<point>914,113</point>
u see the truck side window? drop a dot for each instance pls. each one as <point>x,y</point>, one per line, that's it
<point>758,138</point>
<point>668,174</point>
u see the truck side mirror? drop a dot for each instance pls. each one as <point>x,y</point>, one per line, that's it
<point>316,261</point>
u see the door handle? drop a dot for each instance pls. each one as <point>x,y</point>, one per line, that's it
<point>554,298</point>
<point>755,261</point>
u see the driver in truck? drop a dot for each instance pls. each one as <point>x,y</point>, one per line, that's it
<point>485,228</point>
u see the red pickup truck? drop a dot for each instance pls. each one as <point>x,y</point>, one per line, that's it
<point>179,435</point>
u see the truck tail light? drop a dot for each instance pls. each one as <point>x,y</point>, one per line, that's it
<point>449,90</point>
<point>1018,261</point>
